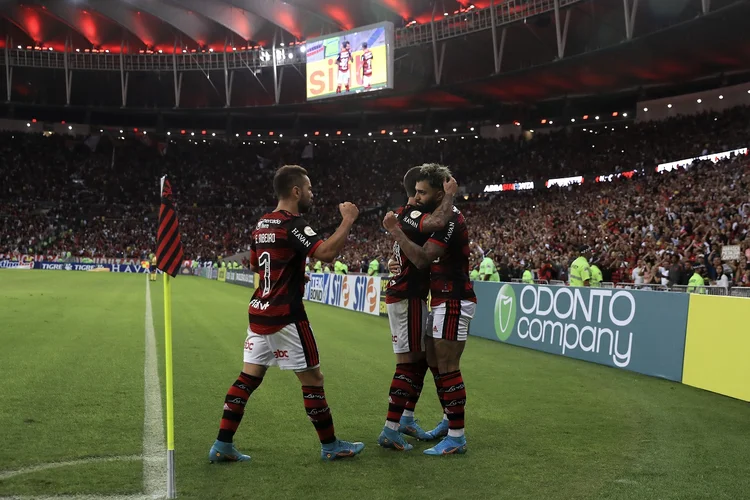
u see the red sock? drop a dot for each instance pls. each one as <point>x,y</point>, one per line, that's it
<point>234,405</point>
<point>420,370</point>
<point>438,386</point>
<point>400,392</point>
<point>319,413</point>
<point>454,399</point>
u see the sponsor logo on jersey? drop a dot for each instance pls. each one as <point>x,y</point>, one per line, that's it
<point>309,231</point>
<point>415,213</point>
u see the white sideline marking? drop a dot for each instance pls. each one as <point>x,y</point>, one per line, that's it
<point>55,465</point>
<point>80,497</point>
<point>154,446</point>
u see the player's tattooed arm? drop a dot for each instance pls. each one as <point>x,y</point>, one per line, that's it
<point>421,257</point>
<point>440,217</point>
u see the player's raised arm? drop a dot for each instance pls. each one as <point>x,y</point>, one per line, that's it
<point>443,213</point>
<point>331,247</point>
<point>419,256</point>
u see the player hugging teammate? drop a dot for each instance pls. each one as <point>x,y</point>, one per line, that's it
<point>432,249</point>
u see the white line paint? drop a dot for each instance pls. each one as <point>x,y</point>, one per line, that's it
<point>69,463</point>
<point>154,446</point>
<point>80,497</point>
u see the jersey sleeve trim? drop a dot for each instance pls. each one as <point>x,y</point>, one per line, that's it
<point>438,242</point>
<point>314,247</point>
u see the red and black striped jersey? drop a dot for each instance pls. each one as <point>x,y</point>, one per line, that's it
<point>411,281</point>
<point>449,275</point>
<point>280,244</point>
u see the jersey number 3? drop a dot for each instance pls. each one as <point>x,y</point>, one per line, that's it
<point>265,261</point>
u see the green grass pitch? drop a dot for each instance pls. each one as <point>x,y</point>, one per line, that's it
<point>538,426</point>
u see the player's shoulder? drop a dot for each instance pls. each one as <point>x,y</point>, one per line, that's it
<point>272,220</point>
<point>412,211</point>
<point>458,216</point>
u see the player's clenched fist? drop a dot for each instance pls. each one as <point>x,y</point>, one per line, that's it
<point>390,223</point>
<point>349,211</point>
<point>450,186</point>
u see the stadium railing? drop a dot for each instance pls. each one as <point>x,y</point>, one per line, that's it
<point>740,292</point>
<point>703,290</point>
<point>515,280</point>
<point>642,286</point>
<point>607,284</point>
<point>557,282</point>
<point>541,282</point>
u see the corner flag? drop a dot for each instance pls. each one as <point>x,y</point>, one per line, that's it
<point>169,252</point>
<point>169,257</point>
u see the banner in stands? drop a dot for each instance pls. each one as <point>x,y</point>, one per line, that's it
<point>714,157</point>
<point>243,277</point>
<point>354,292</point>
<point>513,186</point>
<point>222,274</point>
<point>564,181</point>
<point>619,328</point>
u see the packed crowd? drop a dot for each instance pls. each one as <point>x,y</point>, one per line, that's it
<point>59,196</point>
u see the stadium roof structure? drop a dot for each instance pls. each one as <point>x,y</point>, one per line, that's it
<point>491,58</point>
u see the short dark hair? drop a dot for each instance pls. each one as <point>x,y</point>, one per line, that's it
<point>435,174</point>
<point>410,181</point>
<point>286,178</point>
<point>364,45</point>
<point>346,42</point>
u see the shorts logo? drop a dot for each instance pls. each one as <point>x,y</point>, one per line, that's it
<point>309,231</point>
<point>505,312</point>
<point>415,214</point>
<point>279,354</point>
<point>248,346</point>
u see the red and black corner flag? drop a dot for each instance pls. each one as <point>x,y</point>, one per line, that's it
<point>169,252</point>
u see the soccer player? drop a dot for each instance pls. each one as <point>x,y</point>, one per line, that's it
<point>343,61</point>
<point>406,302</point>
<point>366,66</point>
<point>453,302</point>
<point>279,333</point>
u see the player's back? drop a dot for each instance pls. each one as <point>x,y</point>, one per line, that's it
<point>280,244</point>
<point>449,275</point>
<point>410,281</point>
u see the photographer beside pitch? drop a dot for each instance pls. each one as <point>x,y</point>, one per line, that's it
<point>446,253</point>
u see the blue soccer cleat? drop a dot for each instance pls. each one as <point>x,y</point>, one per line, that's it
<point>410,427</point>
<point>440,431</point>
<point>448,446</point>
<point>390,438</point>
<point>341,449</point>
<point>226,452</point>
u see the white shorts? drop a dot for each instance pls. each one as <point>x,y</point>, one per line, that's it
<point>291,348</point>
<point>408,319</point>
<point>366,79</point>
<point>450,320</point>
<point>343,78</point>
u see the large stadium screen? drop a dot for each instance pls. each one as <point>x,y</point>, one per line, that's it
<point>350,62</point>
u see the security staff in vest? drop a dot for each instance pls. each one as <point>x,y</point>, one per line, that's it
<point>528,276</point>
<point>696,283</point>
<point>596,274</point>
<point>580,272</point>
